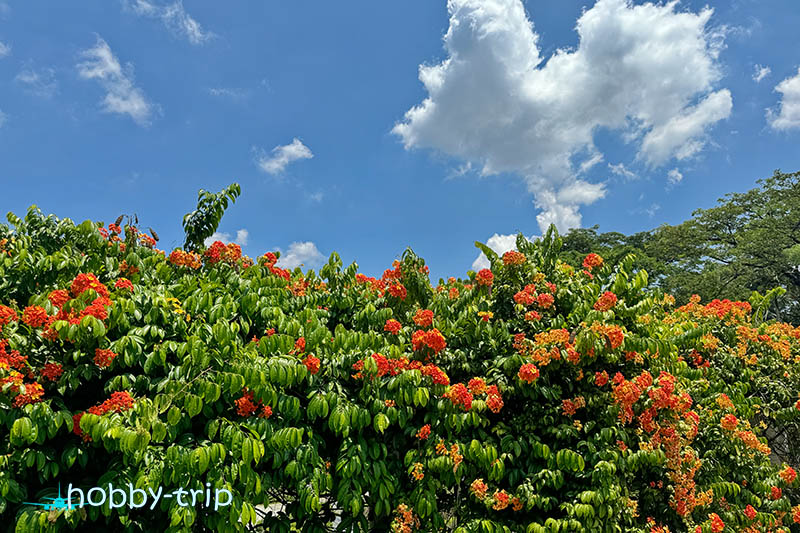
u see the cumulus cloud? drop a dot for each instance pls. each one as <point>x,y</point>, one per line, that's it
<point>499,244</point>
<point>5,49</point>
<point>787,116</point>
<point>122,96</point>
<point>674,176</point>
<point>760,73</point>
<point>301,254</point>
<point>174,17</point>
<point>241,238</point>
<point>282,156</point>
<point>647,71</point>
<point>40,82</point>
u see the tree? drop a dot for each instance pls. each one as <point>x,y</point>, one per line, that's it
<point>201,223</point>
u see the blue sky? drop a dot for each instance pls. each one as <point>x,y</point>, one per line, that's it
<point>622,114</point>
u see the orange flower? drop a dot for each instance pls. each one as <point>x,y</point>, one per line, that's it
<point>513,258</point>
<point>423,317</point>
<point>606,301</point>
<point>34,316</point>
<point>592,261</point>
<point>312,364</point>
<point>103,358</point>
<point>424,432</point>
<point>478,488</point>
<point>788,475</point>
<point>485,277</point>
<point>717,525</point>
<point>528,372</point>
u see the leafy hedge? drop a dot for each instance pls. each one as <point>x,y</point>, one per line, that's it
<point>529,397</point>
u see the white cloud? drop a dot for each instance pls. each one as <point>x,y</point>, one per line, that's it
<point>5,49</point>
<point>41,82</point>
<point>620,170</point>
<point>788,115</point>
<point>282,156</point>
<point>174,17</point>
<point>242,236</point>
<point>495,101</point>
<point>122,96</point>
<point>301,253</point>
<point>500,244</point>
<point>591,162</point>
<point>316,197</point>
<point>760,73</point>
<point>674,176</point>
<point>3,118</point>
<point>232,93</point>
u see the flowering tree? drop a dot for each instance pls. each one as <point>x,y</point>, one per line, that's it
<point>531,396</point>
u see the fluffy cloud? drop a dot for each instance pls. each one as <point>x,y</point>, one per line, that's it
<point>241,237</point>
<point>495,101</point>
<point>174,17</point>
<point>760,73</point>
<point>122,96</point>
<point>499,244</point>
<point>788,114</point>
<point>300,253</point>
<point>41,82</point>
<point>674,176</point>
<point>4,49</point>
<point>282,156</point>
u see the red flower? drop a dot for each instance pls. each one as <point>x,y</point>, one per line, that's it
<point>84,282</point>
<point>7,315</point>
<point>266,412</point>
<point>528,372</point>
<point>398,290</point>
<point>606,301</point>
<point>485,277</point>
<point>532,315</point>
<point>58,297</point>
<point>545,300</point>
<point>34,316</point>
<point>717,525</point>
<point>33,393</point>
<point>124,283</point>
<point>775,493</point>
<point>592,261</point>
<point>424,432</point>
<point>477,386</point>
<point>478,488</point>
<point>245,405</point>
<point>459,395</point>
<point>501,500</point>
<point>76,426</point>
<point>513,258</point>
<point>392,326</point>
<point>423,317</point>
<point>788,475</point>
<point>52,371</point>
<point>270,332</point>
<point>601,378</point>
<point>300,345</point>
<point>729,422</point>
<point>432,339</point>
<point>494,401</point>
<point>103,358</point>
<point>750,512</point>
<point>312,364</point>
<point>796,514</point>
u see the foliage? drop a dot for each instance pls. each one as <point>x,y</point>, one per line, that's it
<point>749,242</point>
<point>533,397</point>
<point>201,223</point>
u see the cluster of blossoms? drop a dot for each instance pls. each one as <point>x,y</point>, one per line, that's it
<point>103,357</point>
<point>606,301</point>
<point>461,395</point>
<point>513,258</point>
<point>592,261</point>
<point>423,318</point>
<point>453,452</point>
<point>13,382</point>
<point>569,407</point>
<point>716,308</point>
<point>187,259</point>
<point>417,471</point>
<point>52,371</point>
<point>612,332</point>
<point>499,500</point>
<point>484,277</point>
<point>392,326</point>
<point>117,403</point>
<point>393,367</point>
<point>405,521</point>
<point>433,339</point>
<point>424,432</point>
<point>528,373</point>
<point>221,252</point>
<point>247,406</point>
<point>124,283</point>
<point>312,363</point>
<point>529,296</point>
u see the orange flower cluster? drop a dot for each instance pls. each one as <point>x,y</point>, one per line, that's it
<point>729,422</point>
<point>118,402</point>
<point>751,441</point>
<point>395,366</point>
<point>417,471</point>
<point>58,297</point>
<point>84,282</point>
<point>501,500</point>
<point>28,393</point>
<point>725,402</point>
<point>398,291</point>
<point>796,514</point>
<point>478,488</point>
<point>103,358</point>
<point>124,283</point>
<point>569,407</point>
<point>528,372</point>
<point>601,378</point>
<point>7,315</point>
<point>606,301</point>
<point>612,332</point>
<point>392,326</point>
<point>485,277</point>
<point>453,452</point>
<point>34,316</point>
<point>788,475</point>
<point>592,261</point>
<point>476,386</point>
<point>459,395</point>
<point>433,339</point>
<point>52,371</point>
<point>220,252</point>
<point>424,432</point>
<point>526,296</point>
<point>405,521</point>
<point>312,364</point>
<point>187,259</point>
<point>513,258</point>
<point>423,318</point>
<point>716,308</point>
<point>247,406</point>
